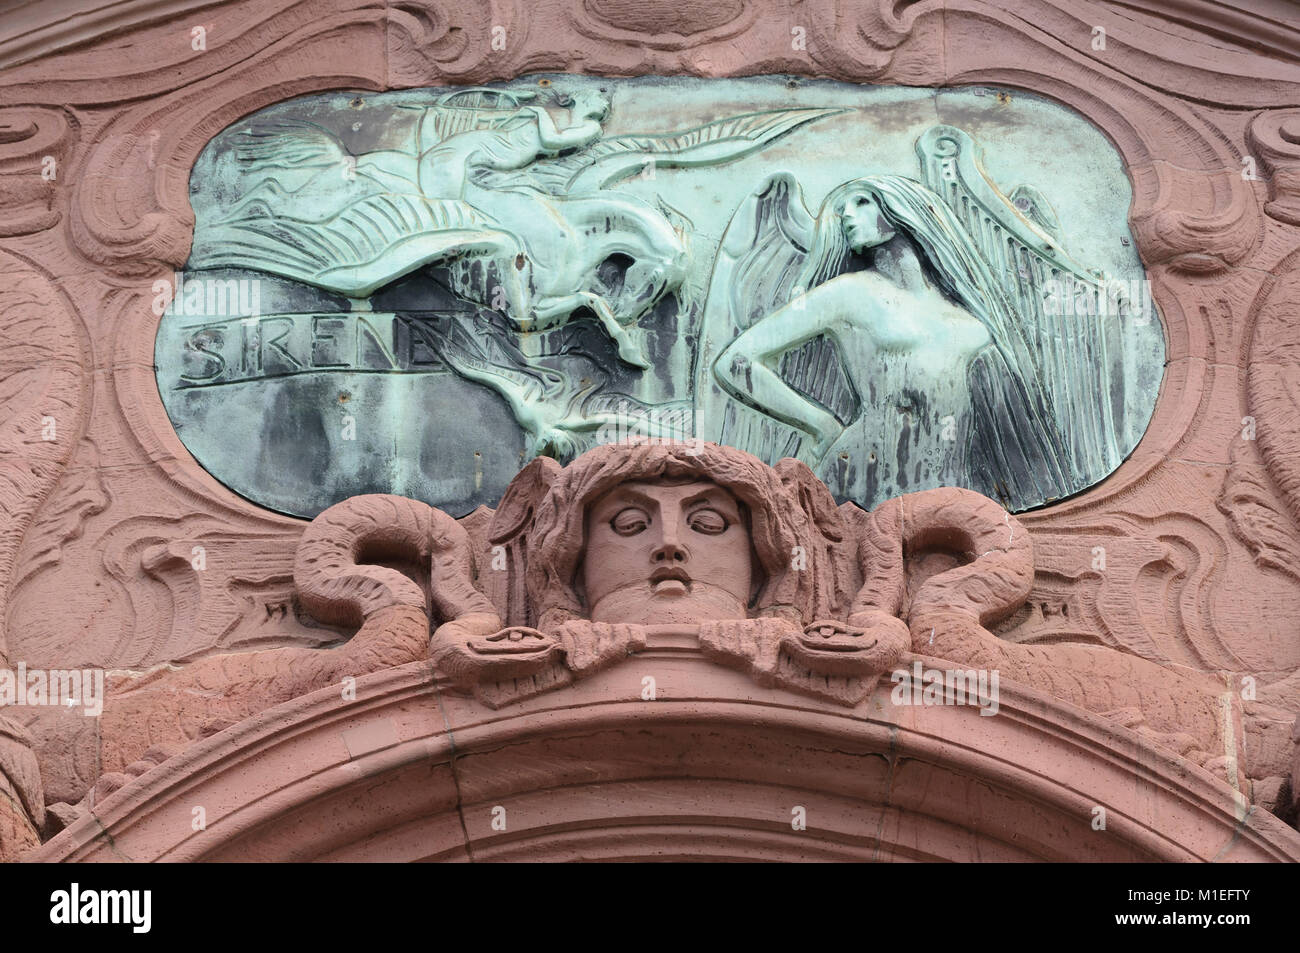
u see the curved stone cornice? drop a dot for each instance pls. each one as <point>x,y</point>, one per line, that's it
<point>711,769</point>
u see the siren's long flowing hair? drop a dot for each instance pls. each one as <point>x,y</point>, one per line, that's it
<point>961,272</point>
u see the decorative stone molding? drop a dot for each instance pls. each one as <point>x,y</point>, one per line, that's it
<point>1199,524</point>
<point>1275,136</point>
<point>882,782</point>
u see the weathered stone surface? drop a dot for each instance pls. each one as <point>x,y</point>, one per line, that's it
<point>705,552</point>
<point>121,552</point>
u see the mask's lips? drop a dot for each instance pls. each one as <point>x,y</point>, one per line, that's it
<point>670,580</point>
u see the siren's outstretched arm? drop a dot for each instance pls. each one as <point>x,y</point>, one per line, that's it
<point>745,368</point>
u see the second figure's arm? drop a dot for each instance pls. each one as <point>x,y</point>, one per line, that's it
<point>583,132</point>
<point>745,368</point>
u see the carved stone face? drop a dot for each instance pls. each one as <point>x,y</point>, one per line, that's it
<point>865,225</point>
<point>663,553</point>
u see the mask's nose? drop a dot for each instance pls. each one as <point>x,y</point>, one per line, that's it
<point>670,551</point>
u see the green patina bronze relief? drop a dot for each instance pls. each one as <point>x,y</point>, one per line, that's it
<point>416,292</point>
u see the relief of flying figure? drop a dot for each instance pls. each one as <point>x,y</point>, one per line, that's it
<point>491,186</point>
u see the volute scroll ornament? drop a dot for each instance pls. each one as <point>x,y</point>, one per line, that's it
<point>34,143</point>
<point>1275,137</point>
<point>43,405</point>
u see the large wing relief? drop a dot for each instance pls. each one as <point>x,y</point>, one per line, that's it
<point>611,158</point>
<point>349,224</point>
<point>756,272</point>
<point>482,184</point>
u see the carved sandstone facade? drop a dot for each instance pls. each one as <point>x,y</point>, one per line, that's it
<point>490,659</point>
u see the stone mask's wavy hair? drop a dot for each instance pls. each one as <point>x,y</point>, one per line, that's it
<point>550,504</point>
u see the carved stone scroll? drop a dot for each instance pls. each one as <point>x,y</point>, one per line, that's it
<point>1155,603</point>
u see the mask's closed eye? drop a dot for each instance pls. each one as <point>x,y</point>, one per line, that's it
<point>629,521</point>
<point>708,521</point>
